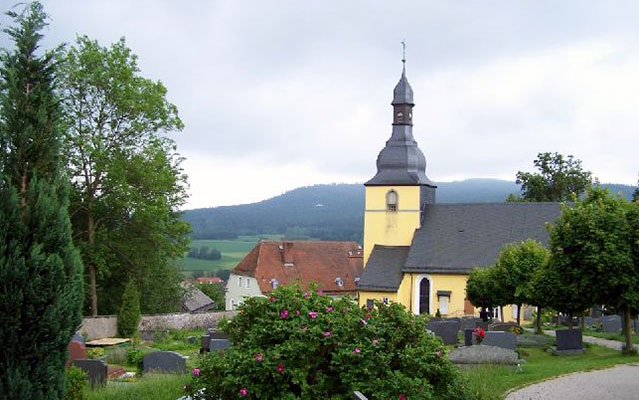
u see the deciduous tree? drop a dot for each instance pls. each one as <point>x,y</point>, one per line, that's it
<point>40,270</point>
<point>558,179</point>
<point>126,175</point>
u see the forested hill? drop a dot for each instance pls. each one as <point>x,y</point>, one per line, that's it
<point>330,212</point>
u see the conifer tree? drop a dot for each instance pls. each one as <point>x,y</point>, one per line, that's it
<point>40,270</point>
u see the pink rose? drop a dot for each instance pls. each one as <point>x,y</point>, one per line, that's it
<point>259,357</point>
<point>364,321</point>
<point>280,368</point>
<point>367,316</point>
<point>243,392</point>
<point>402,397</point>
<point>312,314</point>
<point>375,342</point>
<point>356,350</point>
<point>196,372</point>
<point>327,333</point>
<point>307,295</point>
<point>284,313</point>
<point>329,309</point>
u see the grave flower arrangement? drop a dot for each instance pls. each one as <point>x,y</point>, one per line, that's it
<point>326,351</point>
<point>479,335</point>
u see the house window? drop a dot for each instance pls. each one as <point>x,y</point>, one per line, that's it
<point>391,201</point>
<point>239,282</point>
<point>370,303</point>
<point>274,283</point>
<point>339,281</point>
<point>248,283</point>
<point>385,300</point>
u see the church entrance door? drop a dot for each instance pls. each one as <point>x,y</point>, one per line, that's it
<point>424,296</point>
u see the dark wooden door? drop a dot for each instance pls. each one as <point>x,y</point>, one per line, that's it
<point>424,296</point>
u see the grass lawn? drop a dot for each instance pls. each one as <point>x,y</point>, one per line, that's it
<point>232,252</point>
<point>492,382</point>
<point>610,335</point>
<point>150,387</point>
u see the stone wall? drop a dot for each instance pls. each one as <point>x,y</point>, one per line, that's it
<point>107,325</point>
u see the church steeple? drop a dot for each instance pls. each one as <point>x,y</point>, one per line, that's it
<point>401,162</point>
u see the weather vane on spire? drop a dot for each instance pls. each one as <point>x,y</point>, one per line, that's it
<point>404,52</point>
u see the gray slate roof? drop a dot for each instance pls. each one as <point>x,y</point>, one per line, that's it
<point>403,92</point>
<point>195,300</point>
<point>454,238</point>
<point>383,272</point>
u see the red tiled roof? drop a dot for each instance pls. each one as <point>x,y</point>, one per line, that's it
<point>308,261</point>
<point>214,279</point>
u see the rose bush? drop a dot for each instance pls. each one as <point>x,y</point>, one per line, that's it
<point>301,344</point>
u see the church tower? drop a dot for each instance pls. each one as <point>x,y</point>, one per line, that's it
<point>397,195</point>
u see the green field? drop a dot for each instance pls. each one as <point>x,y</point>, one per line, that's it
<point>233,251</point>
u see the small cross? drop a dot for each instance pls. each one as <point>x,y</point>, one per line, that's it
<point>404,52</point>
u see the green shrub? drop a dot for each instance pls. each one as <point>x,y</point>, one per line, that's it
<point>298,344</point>
<point>95,352</point>
<point>76,384</point>
<point>129,315</point>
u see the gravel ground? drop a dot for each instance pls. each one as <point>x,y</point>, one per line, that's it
<point>618,383</point>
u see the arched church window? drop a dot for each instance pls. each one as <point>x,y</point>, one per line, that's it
<point>391,201</point>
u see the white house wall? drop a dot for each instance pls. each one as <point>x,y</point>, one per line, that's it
<point>238,288</point>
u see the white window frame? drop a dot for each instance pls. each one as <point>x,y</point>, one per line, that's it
<point>416,284</point>
<point>239,281</point>
<point>442,310</point>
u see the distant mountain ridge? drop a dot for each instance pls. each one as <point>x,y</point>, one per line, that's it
<point>332,212</point>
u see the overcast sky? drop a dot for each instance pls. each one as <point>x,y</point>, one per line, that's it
<point>280,94</point>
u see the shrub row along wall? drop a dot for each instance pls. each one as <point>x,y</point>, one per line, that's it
<point>107,325</point>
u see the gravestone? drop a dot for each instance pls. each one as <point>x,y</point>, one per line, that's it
<point>569,341</point>
<point>77,351</point>
<point>358,396</point>
<point>205,341</point>
<point>191,340</point>
<point>589,322</point>
<point>503,326</point>
<point>635,326</point>
<point>528,314</point>
<point>468,337</point>
<point>147,336</point>
<point>483,325</point>
<point>611,323</point>
<point>505,340</point>
<point>218,344</point>
<point>215,334</point>
<point>95,369</point>
<point>483,354</point>
<point>446,330</point>
<point>164,361</point>
<point>78,338</point>
<point>468,323</point>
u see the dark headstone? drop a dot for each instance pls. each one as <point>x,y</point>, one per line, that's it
<point>78,338</point>
<point>191,340</point>
<point>468,323</point>
<point>147,336</point>
<point>358,396</point>
<point>218,344</point>
<point>483,315</point>
<point>611,323</point>
<point>468,337</point>
<point>77,351</point>
<point>483,325</point>
<point>505,340</point>
<point>204,343</point>
<point>215,334</point>
<point>569,341</point>
<point>95,369</point>
<point>483,355</point>
<point>504,327</point>
<point>446,330</point>
<point>164,361</point>
<point>635,326</point>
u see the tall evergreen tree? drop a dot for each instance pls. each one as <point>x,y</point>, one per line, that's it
<point>40,270</point>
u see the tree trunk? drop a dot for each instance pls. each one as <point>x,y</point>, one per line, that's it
<point>538,323</point>
<point>628,334</point>
<point>93,308</point>
<point>518,314</point>
<point>583,321</point>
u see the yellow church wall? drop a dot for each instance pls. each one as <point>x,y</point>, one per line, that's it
<point>390,228</point>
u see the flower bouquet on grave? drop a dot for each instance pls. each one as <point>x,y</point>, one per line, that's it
<point>479,335</point>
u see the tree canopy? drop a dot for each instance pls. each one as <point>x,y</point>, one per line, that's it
<point>558,179</point>
<point>126,176</point>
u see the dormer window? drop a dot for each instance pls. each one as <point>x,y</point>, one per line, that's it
<point>391,201</point>
<point>339,281</point>
<point>274,283</point>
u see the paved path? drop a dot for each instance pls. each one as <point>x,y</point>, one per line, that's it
<point>617,383</point>
<point>611,344</point>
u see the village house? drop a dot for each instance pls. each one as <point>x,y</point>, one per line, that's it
<point>419,253</point>
<point>334,266</point>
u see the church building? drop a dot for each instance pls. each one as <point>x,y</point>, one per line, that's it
<point>419,253</point>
